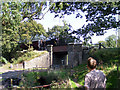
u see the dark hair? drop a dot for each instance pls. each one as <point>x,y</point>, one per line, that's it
<point>91,63</point>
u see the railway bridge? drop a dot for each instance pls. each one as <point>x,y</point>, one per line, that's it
<point>67,55</point>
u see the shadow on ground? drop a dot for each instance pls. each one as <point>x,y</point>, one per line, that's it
<point>13,77</point>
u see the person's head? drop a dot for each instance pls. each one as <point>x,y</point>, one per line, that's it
<point>91,64</point>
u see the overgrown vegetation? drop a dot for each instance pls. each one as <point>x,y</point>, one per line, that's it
<point>110,71</point>
<point>32,79</point>
<point>106,54</point>
<point>67,78</point>
<point>26,55</point>
<point>21,56</point>
<point>3,60</point>
<point>109,66</point>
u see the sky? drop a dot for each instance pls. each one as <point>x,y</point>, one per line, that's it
<point>49,21</point>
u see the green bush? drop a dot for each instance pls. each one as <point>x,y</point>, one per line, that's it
<point>32,79</point>
<point>106,54</point>
<point>3,60</point>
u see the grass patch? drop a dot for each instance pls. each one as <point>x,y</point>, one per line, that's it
<point>73,85</point>
<point>23,56</point>
<point>109,69</point>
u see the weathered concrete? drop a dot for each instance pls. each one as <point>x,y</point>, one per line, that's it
<point>50,50</point>
<point>74,54</point>
<point>41,61</point>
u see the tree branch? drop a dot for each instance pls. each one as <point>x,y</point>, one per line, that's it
<point>42,15</point>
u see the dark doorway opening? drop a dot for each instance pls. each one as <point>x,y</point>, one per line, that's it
<point>59,59</point>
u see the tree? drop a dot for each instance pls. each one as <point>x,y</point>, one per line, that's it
<point>87,41</point>
<point>99,15</point>
<point>103,43</point>
<point>111,41</point>
<point>29,30</point>
<point>10,37</point>
<point>12,14</point>
<point>55,32</point>
<point>62,33</point>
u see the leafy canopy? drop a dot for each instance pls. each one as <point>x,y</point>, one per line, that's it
<point>29,30</point>
<point>13,13</point>
<point>63,33</point>
<point>99,15</point>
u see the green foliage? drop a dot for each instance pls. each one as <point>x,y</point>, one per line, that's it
<point>87,41</point>
<point>13,13</point>
<point>54,32</point>
<point>112,80</point>
<point>111,41</point>
<point>61,32</point>
<point>29,30</point>
<point>32,78</point>
<point>118,42</point>
<point>103,43</point>
<point>106,54</point>
<point>3,60</point>
<point>110,71</point>
<point>79,73</point>
<point>10,21</point>
<point>21,56</point>
<point>99,15</point>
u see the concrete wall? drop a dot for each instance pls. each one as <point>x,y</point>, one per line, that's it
<point>17,66</point>
<point>41,61</point>
<point>73,57</point>
<point>74,54</point>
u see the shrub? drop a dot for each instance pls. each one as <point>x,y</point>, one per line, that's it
<point>3,60</point>
<point>41,78</point>
<point>106,54</point>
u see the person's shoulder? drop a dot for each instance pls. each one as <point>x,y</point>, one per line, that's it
<point>99,71</point>
<point>88,74</point>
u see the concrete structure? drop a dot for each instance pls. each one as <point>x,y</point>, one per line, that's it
<point>57,56</point>
<point>69,55</point>
<point>41,61</point>
<point>50,50</point>
<point>74,54</point>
